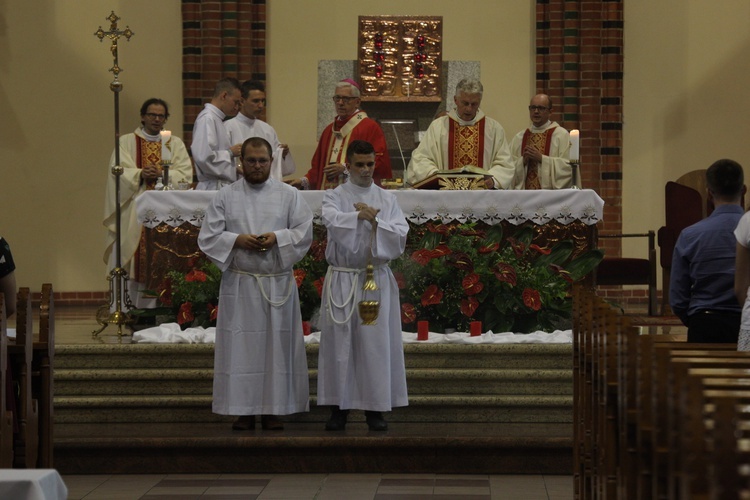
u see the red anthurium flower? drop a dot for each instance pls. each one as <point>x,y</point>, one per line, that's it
<point>318,283</point>
<point>517,247</point>
<point>408,313</point>
<point>400,280</point>
<point>422,256</point>
<point>214,312</point>
<point>299,276</point>
<point>165,295</point>
<point>506,273</point>
<point>562,272</point>
<point>489,248</point>
<point>531,299</point>
<point>469,306</point>
<point>432,295</point>
<point>196,275</point>
<point>471,284</point>
<point>440,251</point>
<point>438,228</point>
<point>185,314</point>
<point>543,251</point>
<point>461,260</point>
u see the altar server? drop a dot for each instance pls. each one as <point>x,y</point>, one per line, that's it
<point>361,366</point>
<point>255,230</point>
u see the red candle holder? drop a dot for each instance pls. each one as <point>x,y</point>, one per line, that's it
<point>306,328</point>
<point>423,329</point>
<point>475,328</point>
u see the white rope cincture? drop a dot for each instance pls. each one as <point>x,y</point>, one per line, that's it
<point>257,277</point>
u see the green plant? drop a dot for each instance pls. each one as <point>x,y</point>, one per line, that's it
<point>460,273</point>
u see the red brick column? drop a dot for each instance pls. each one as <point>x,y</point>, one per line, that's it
<point>579,63</point>
<point>221,38</point>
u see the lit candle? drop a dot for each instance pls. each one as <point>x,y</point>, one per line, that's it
<point>475,328</point>
<point>166,155</point>
<point>423,328</point>
<point>575,137</point>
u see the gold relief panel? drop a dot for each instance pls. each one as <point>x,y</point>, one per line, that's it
<point>400,58</point>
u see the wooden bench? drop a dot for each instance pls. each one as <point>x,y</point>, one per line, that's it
<point>42,376</point>
<point>6,416</point>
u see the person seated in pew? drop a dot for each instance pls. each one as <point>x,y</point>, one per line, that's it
<point>7,277</point>
<point>703,264</point>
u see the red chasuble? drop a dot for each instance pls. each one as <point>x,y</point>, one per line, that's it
<point>334,141</point>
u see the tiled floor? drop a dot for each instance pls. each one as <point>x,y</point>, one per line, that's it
<point>320,487</point>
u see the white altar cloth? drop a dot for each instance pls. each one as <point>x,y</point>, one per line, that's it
<point>32,484</point>
<point>170,333</point>
<point>419,206</point>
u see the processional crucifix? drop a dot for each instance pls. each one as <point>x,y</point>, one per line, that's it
<point>118,277</point>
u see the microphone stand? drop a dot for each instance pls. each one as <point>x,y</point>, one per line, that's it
<point>118,277</point>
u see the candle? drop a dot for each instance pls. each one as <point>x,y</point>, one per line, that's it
<point>423,328</point>
<point>475,328</point>
<point>575,137</point>
<point>166,155</point>
<point>306,328</point>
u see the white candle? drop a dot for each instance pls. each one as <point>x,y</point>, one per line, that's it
<point>166,155</point>
<point>575,137</point>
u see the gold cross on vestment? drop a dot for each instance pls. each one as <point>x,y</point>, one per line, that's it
<point>114,34</point>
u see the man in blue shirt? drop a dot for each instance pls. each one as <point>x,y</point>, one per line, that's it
<point>702,280</point>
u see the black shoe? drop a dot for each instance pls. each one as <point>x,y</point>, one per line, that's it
<point>337,422</point>
<point>244,423</point>
<point>375,421</point>
<point>271,423</point>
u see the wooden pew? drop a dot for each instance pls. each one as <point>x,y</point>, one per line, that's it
<point>20,353</point>
<point>6,416</point>
<point>42,376</point>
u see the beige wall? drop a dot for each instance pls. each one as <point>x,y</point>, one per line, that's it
<point>686,73</point>
<point>686,67</point>
<point>57,111</point>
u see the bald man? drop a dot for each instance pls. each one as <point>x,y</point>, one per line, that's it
<point>541,152</point>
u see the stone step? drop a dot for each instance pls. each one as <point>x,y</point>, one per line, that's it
<point>169,356</point>
<point>422,408</point>
<point>198,381</point>
<point>305,448</point>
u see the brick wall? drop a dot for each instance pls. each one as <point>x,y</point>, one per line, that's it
<point>221,38</point>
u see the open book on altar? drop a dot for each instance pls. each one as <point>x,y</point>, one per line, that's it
<point>468,177</point>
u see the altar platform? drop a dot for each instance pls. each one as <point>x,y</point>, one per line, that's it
<point>133,408</point>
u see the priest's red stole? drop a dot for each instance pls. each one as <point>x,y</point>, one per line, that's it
<point>465,144</point>
<point>541,142</point>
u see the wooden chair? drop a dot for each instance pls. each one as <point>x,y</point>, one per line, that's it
<point>631,271</point>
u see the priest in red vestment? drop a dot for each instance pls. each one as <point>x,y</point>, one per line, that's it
<point>328,168</point>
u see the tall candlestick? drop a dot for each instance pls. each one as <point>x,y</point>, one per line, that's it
<point>166,154</point>
<point>575,137</point>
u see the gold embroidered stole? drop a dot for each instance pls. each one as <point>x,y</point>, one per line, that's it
<point>465,144</point>
<point>541,142</point>
<point>337,146</point>
<point>146,153</point>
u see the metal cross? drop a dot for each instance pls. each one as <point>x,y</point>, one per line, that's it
<point>114,34</point>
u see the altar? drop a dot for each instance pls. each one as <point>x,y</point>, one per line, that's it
<point>172,219</point>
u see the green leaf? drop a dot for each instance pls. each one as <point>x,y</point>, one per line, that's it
<point>559,255</point>
<point>494,234</point>
<point>584,264</point>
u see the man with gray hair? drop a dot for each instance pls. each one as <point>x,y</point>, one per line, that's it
<point>328,165</point>
<point>464,137</point>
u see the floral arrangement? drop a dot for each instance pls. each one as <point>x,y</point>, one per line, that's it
<point>460,273</point>
<point>191,299</point>
<point>453,275</point>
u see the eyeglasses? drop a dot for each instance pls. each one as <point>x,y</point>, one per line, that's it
<point>252,161</point>
<point>154,116</point>
<point>343,98</point>
<point>538,108</point>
